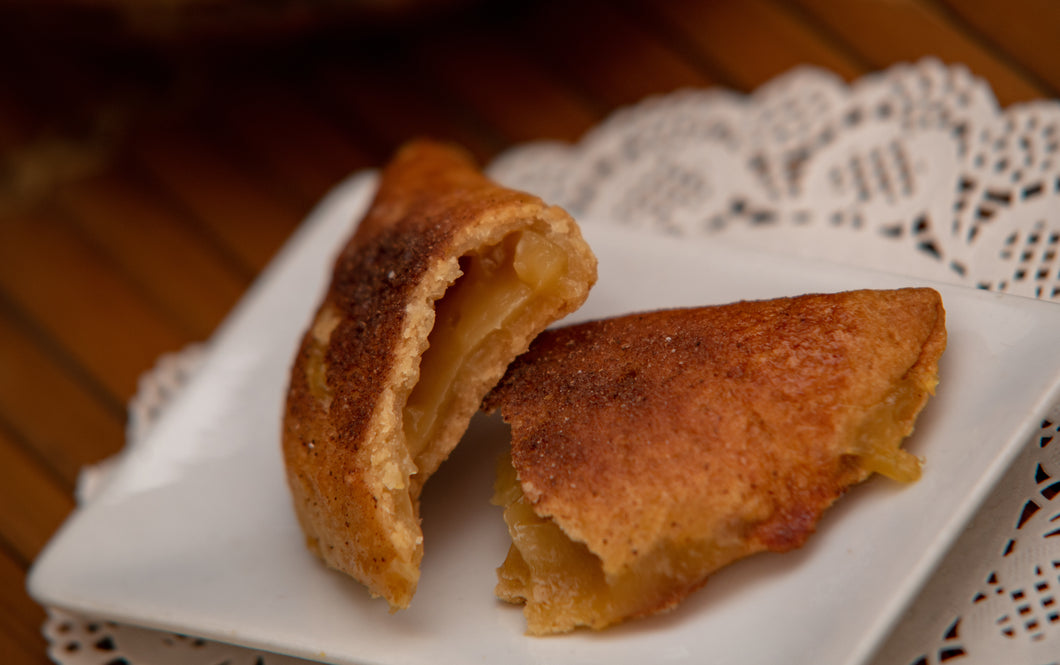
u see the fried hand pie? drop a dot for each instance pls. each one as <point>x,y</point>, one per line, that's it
<point>446,279</point>
<point>652,449</point>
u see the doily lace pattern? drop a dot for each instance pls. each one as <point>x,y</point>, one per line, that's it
<point>996,596</point>
<point>914,170</point>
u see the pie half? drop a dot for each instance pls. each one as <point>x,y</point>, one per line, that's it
<point>446,279</point>
<point>652,449</point>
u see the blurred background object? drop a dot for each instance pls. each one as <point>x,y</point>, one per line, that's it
<point>184,19</point>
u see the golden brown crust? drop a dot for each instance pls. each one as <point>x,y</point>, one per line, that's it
<point>355,486</point>
<point>738,422</point>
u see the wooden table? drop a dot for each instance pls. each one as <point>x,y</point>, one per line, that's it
<point>148,176</point>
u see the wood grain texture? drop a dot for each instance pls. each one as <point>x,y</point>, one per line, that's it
<point>161,250</point>
<point>771,39</point>
<point>504,86</point>
<point>84,301</point>
<point>298,145</point>
<point>37,386</point>
<point>45,503</point>
<point>242,211</point>
<point>646,64</point>
<point>1025,34</point>
<point>882,32</point>
<point>385,103</point>
<point>21,642</point>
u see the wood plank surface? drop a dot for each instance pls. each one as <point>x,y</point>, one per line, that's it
<point>150,169</point>
<point>21,642</point>
<point>160,250</point>
<point>647,64</point>
<point>503,86</point>
<point>85,302</point>
<point>237,206</point>
<point>53,406</point>
<point>1022,33</point>
<point>882,32</point>
<point>772,38</point>
<point>45,501</point>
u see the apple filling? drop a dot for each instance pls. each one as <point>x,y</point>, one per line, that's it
<point>563,585</point>
<point>499,285</point>
<point>877,441</point>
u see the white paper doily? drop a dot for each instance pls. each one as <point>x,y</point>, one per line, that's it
<point>914,170</point>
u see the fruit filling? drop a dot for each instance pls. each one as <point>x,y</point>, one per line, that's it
<point>498,283</point>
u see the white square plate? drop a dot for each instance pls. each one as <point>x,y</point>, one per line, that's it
<point>195,533</point>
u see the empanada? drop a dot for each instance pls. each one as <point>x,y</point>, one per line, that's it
<point>650,450</point>
<point>447,278</point>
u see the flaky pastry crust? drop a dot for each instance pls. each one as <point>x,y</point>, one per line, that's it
<point>354,472</point>
<point>670,443</point>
